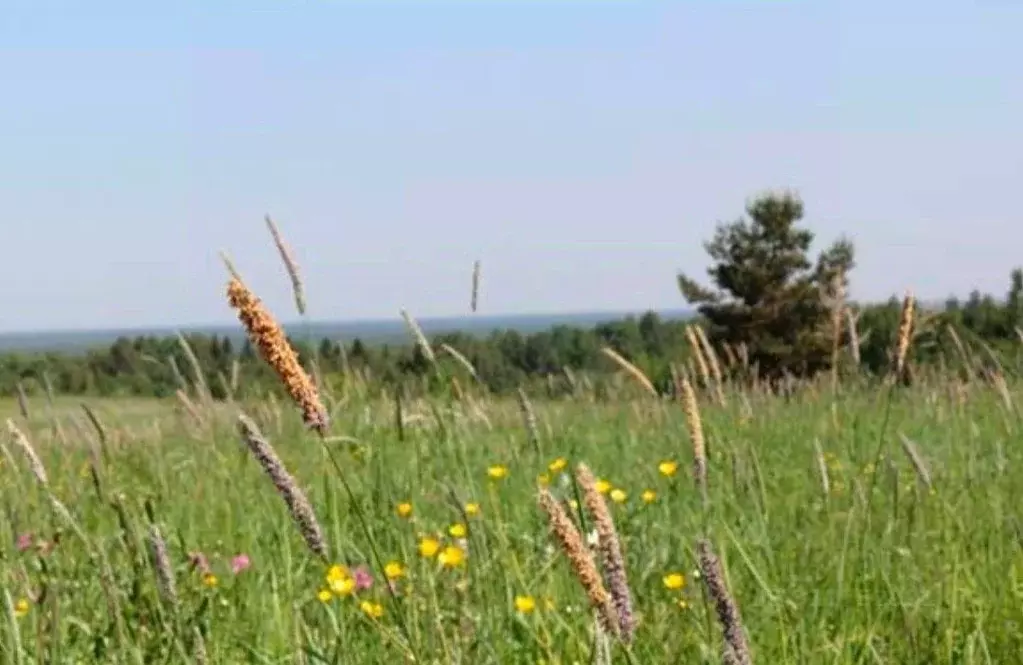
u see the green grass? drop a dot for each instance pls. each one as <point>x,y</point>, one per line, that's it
<point>875,572</point>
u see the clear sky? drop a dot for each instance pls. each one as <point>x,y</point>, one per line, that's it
<point>582,150</point>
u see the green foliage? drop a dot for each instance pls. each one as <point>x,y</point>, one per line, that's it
<point>769,296</point>
<point>908,576</point>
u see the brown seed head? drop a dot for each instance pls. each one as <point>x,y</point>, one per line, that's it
<point>580,560</point>
<point>266,334</point>
<point>610,551</point>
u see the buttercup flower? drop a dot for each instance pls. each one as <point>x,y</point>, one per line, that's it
<point>497,472</point>
<point>525,604</point>
<point>394,570</point>
<point>370,609</point>
<point>618,495</point>
<point>451,557</point>
<point>324,596</point>
<point>404,509</point>
<point>668,468</point>
<point>472,509</point>
<point>603,486</point>
<point>674,581</point>
<point>343,587</point>
<point>337,572</point>
<point>457,530</point>
<point>557,465</point>
<point>21,608</point>
<point>428,547</point>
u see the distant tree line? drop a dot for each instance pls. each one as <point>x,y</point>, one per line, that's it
<point>503,360</point>
<point>772,305</point>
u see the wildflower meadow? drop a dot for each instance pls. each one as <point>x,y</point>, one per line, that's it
<point>829,521</point>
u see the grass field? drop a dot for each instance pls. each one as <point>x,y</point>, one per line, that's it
<point>880,569</point>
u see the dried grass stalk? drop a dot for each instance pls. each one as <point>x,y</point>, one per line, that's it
<point>474,301</point>
<point>460,359</point>
<point>822,468</point>
<point>737,650</point>
<point>35,465</point>
<point>905,334</point>
<point>294,498</point>
<point>633,371</point>
<point>695,426</point>
<point>610,550</point>
<point>916,459</point>
<point>419,336</point>
<point>701,362</point>
<point>290,264</point>
<point>269,338</point>
<point>579,558</point>
<point>715,365</point>
<point>529,420</point>
<point>162,565</point>
<point>854,335</point>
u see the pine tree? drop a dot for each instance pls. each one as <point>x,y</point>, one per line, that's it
<point>769,296</point>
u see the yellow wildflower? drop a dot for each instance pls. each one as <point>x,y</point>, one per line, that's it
<point>370,609</point>
<point>618,495</point>
<point>472,509</point>
<point>21,608</point>
<point>404,509</point>
<point>343,587</point>
<point>674,581</point>
<point>337,573</point>
<point>525,604</point>
<point>557,465</point>
<point>451,556</point>
<point>498,471</point>
<point>210,580</point>
<point>649,496</point>
<point>324,596</point>
<point>668,468</point>
<point>543,480</point>
<point>457,530</point>
<point>394,570</point>
<point>428,547</point>
<point>603,486</point>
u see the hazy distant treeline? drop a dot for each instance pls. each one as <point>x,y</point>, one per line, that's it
<point>503,360</point>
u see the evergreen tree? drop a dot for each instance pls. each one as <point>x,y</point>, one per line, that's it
<point>769,296</point>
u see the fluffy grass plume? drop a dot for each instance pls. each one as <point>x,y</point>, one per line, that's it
<point>294,498</point>
<point>736,648</point>
<point>694,424</point>
<point>269,338</point>
<point>630,369</point>
<point>290,265</point>
<point>905,335</point>
<point>610,548</point>
<point>581,561</point>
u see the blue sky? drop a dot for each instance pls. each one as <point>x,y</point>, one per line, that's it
<point>582,150</point>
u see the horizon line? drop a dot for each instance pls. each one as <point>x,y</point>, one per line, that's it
<point>186,327</point>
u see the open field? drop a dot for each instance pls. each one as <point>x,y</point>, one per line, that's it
<point>880,569</point>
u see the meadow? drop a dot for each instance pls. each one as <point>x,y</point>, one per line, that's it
<point>864,524</point>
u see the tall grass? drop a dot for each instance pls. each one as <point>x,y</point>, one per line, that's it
<point>434,530</point>
<point>908,571</point>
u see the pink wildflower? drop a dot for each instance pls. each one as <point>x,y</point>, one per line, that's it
<point>240,563</point>
<point>363,578</point>
<point>24,542</point>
